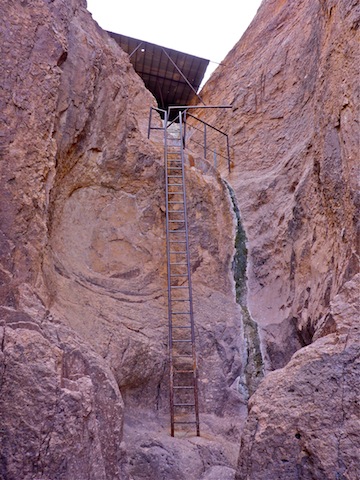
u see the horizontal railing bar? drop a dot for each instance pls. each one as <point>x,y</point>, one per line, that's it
<point>207,124</point>
<point>188,107</point>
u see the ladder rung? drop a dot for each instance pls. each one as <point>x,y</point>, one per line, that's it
<point>177,231</point>
<point>177,203</point>
<point>192,423</point>
<point>177,241</point>
<point>181,313</point>
<point>180,300</point>
<point>175,184</point>
<point>176,221</point>
<point>179,275</point>
<point>182,341</point>
<point>177,253</point>
<point>174,176</point>
<point>182,326</point>
<point>178,286</point>
<point>178,263</point>
<point>176,211</point>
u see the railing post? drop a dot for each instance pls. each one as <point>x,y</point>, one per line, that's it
<point>228,152</point>
<point>149,126</point>
<point>184,139</point>
<point>204,140</point>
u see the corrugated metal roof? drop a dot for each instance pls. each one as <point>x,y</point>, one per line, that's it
<point>155,65</point>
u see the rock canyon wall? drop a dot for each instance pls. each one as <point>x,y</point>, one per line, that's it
<point>83,290</point>
<point>83,325</point>
<point>293,82</point>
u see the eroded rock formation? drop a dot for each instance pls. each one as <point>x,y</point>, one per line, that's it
<point>83,326</point>
<point>82,262</point>
<point>293,84</point>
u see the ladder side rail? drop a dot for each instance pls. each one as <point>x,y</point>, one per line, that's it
<point>196,396</point>
<point>169,278</point>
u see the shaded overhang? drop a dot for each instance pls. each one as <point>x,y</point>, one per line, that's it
<point>172,77</point>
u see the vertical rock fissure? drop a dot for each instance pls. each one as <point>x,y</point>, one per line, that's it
<point>253,370</point>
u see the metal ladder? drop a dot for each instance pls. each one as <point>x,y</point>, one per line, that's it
<point>184,403</point>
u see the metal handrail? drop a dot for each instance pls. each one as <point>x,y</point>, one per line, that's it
<point>182,116</point>
<point>150,118</point>
<point>205,144</point>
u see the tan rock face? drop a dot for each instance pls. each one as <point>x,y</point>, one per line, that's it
<point>82,243</point>
<point>83,257</point>
<point>309,428</point>
<point>61,410</point>
<point>294,90</point>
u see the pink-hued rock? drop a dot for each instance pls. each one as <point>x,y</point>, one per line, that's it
<point>82,244</point>
<point>61,412</point>
<point>293,85</point>
<point>293,81</point>
<point>83,315</point>
<point>304,418</point>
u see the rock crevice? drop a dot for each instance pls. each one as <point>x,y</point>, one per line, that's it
<point>253,368</point>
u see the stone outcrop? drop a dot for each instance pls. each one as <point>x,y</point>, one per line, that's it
<point>304,418</point>
<point>293,84</point>
<point>83,320</point>
<point>83,260</point>
<point>61,411</point>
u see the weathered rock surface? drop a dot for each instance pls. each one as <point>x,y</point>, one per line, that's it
<point>61,412</point>
<point>152,453</point>
<point>56,65</point>
<point>83,245</point>
<point>309,426</point>
<point>293,84</point>
<point>294,90</point>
